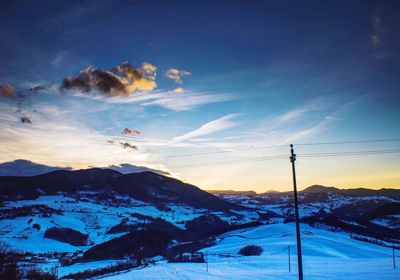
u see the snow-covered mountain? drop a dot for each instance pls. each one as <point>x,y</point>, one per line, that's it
<point>381,207</point>
<point>90,219</point>
<point>326,255</point>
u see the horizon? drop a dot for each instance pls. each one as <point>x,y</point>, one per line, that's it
<point>211,93</point>
<point>34,169</point>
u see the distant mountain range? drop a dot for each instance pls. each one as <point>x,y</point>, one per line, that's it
<point>318,189</point>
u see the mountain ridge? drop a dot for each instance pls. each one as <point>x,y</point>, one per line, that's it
<point>146,186</point>
<point>319,189</point>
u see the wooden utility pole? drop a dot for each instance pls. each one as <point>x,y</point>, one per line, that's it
<point>394,257</point>
<point>206,261</point>
<point>288,254</point>
<point>296,209</point>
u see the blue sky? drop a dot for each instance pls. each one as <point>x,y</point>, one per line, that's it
<point>229,77</point>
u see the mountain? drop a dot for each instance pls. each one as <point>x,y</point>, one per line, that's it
<point>374,213</point>
<point>360,192</point>
<point>78,217</point>
<point>144,186</point>
<point>232,192</point>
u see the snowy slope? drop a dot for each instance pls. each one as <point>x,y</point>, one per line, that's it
<point>93,219</point>
<point>329,255</point>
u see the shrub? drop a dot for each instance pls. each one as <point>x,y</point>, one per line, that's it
<point>251,250</point>
<point>36,226</point>
<point>37,274</point>
<point>8,263</point>
<point>102,271</point>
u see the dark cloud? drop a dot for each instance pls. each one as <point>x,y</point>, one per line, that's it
<point>39,88</point>
<point>129,146</point>
<point>128,131</point>
<point>123,80</point>
<point>25,120</point>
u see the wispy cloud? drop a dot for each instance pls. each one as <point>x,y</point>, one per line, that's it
<point>177,75</point>
<point>76,22</point>
<point>220,124</point>
<point>324,123</point>
<point>377,31</point>
<point>176,102</point>
<point>297,113</point>
<point>57,137</point>
<point>311,131</point>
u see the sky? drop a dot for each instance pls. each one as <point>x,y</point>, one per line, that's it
<point>210,92</point>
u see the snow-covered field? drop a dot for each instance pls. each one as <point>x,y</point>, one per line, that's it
<point>326,254</point>
<point>329,255</point>
<point>91,218</point>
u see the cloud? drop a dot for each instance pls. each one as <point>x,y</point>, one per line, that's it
<point>59,59</point>
<point>21,167</point>
<point>309,110</point>
<point>25,120</point>
<point>377,31</point>
<point>128,131</point>
<point>7,90</point>
<point>177,103</point>
<point>222,123</point>
<point>59,137</point>
<point>178,90</point>
<point>129,168</point>
<point>128,146</point>
<point>375,40</point>
<point>123,80</point>
<point>325,122</point>
<point>176,74</point>
<point>72,22</point>
<point>311,131</point>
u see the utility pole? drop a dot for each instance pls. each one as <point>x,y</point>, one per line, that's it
<point>394,257</point>
<point>288,254</point>
<point>206,261</point>
<point>296,209</point>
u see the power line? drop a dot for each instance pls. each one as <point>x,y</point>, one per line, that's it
<point>278,146</point>
<point>349,142</point>
<point>277,157</point>
<point>356,153</point>
<point>280,157</point>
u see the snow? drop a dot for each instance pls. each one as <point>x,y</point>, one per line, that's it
<point>391,221</point>
<point>326,254</point>
<point>84,216</point>
<point>330,255</point>
<point>64,270</point>
<point>21,236</point>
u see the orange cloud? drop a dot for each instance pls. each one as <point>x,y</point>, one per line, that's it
<point>7,90</point>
